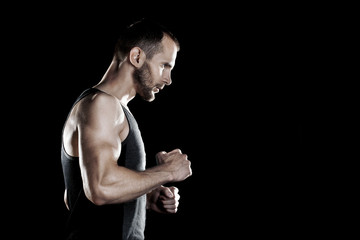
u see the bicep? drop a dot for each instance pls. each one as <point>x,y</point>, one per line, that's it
<point>99,140</point>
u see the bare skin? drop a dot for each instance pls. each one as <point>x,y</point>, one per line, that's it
<point>97,125</point>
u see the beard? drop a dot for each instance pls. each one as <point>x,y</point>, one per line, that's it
<point>144,82</point>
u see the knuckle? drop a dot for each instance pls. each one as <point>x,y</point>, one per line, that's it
<point>161,153</point>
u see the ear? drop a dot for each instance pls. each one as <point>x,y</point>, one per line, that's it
<point>137,57</point>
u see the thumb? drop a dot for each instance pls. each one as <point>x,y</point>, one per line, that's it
<point>167,192</point>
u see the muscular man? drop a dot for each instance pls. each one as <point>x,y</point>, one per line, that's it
<point>108,187</point>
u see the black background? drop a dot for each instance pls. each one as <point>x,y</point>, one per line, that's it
<point>240,105</point>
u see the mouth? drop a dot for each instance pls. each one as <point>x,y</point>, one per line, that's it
<point>157,89</point>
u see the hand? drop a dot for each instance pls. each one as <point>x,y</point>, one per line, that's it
<point>175,162</point>
<point>163,199</point>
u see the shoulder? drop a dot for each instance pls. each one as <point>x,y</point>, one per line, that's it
<point>98,98</point>
<point>101,106</point>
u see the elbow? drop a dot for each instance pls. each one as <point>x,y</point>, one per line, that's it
<point>96,196</point>
<point>98,201</point>
<point>102,195</point>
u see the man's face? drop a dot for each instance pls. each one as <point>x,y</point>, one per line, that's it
<point>155,73</point>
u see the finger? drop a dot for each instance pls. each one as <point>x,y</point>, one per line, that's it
<point>176,150</point>
<point>174,190</point>
<point>171,208</point>
<point>159,156</point>
<point>170,205</point>
<point>169,202</point>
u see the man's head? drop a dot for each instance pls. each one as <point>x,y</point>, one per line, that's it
<point>145,34</point>
<point>152,50</point>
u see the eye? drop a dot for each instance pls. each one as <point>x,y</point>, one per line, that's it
<point>166,65</point>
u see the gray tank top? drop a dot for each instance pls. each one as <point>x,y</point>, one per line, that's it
<point>116,221</point>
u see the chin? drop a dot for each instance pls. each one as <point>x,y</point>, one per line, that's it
<point>149,98</point>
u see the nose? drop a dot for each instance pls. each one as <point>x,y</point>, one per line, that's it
<point>167,77</point>
<point>168,80</point>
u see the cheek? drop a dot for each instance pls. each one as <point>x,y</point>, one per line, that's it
<point>161,72</point>
<point>158,73</point>
<point>155,71</point>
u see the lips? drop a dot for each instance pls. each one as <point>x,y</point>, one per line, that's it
<point>157,89</point>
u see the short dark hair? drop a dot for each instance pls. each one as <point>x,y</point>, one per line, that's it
<point>146,34</point>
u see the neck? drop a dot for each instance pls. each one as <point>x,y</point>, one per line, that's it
<point>118,81</point>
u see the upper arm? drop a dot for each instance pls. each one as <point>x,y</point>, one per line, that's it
<point>100,121</point>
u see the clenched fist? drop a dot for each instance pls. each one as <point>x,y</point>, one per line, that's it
<point>176,163</point>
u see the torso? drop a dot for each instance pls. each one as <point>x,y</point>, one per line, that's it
<point>87,219</point>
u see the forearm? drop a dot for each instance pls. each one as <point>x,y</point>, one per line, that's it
<point>121,184</point>
<point>107,183</point>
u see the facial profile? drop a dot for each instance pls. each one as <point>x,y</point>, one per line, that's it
<point>145,83</point>
<point>155,72</point>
